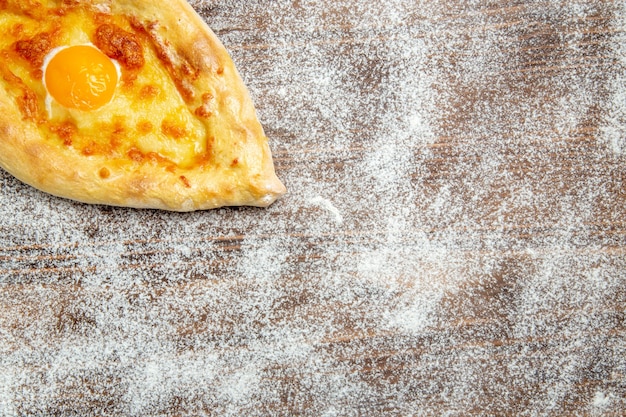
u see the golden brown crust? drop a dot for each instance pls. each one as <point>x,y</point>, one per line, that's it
<point>232,164</point>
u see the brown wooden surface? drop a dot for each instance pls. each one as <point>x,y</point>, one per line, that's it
<point>453,241</point>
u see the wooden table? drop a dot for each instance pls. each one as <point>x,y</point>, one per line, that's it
<point>453,241</point>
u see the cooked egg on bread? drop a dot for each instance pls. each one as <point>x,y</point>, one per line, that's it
<point>80,77</point>
<point>94,79</point>
<point>131,103</point>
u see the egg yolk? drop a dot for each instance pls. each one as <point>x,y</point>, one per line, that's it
<point>81,77</point>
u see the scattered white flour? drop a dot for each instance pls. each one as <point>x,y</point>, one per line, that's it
<point>600,400</point>
<point>613,126</point>
<point>327,205</point>
<point>471,259</point>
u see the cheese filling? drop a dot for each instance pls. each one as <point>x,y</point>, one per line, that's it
<point>95,88</point>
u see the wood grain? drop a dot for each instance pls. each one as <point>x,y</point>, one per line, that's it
<point>498,288</point>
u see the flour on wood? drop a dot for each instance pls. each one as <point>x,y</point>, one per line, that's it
<point>451,241</point>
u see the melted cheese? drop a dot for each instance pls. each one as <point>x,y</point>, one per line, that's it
<point>147,117</point>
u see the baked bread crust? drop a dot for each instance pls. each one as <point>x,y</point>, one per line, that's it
<point>235,169</point>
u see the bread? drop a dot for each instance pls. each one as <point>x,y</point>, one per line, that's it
<point>180,132</point>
